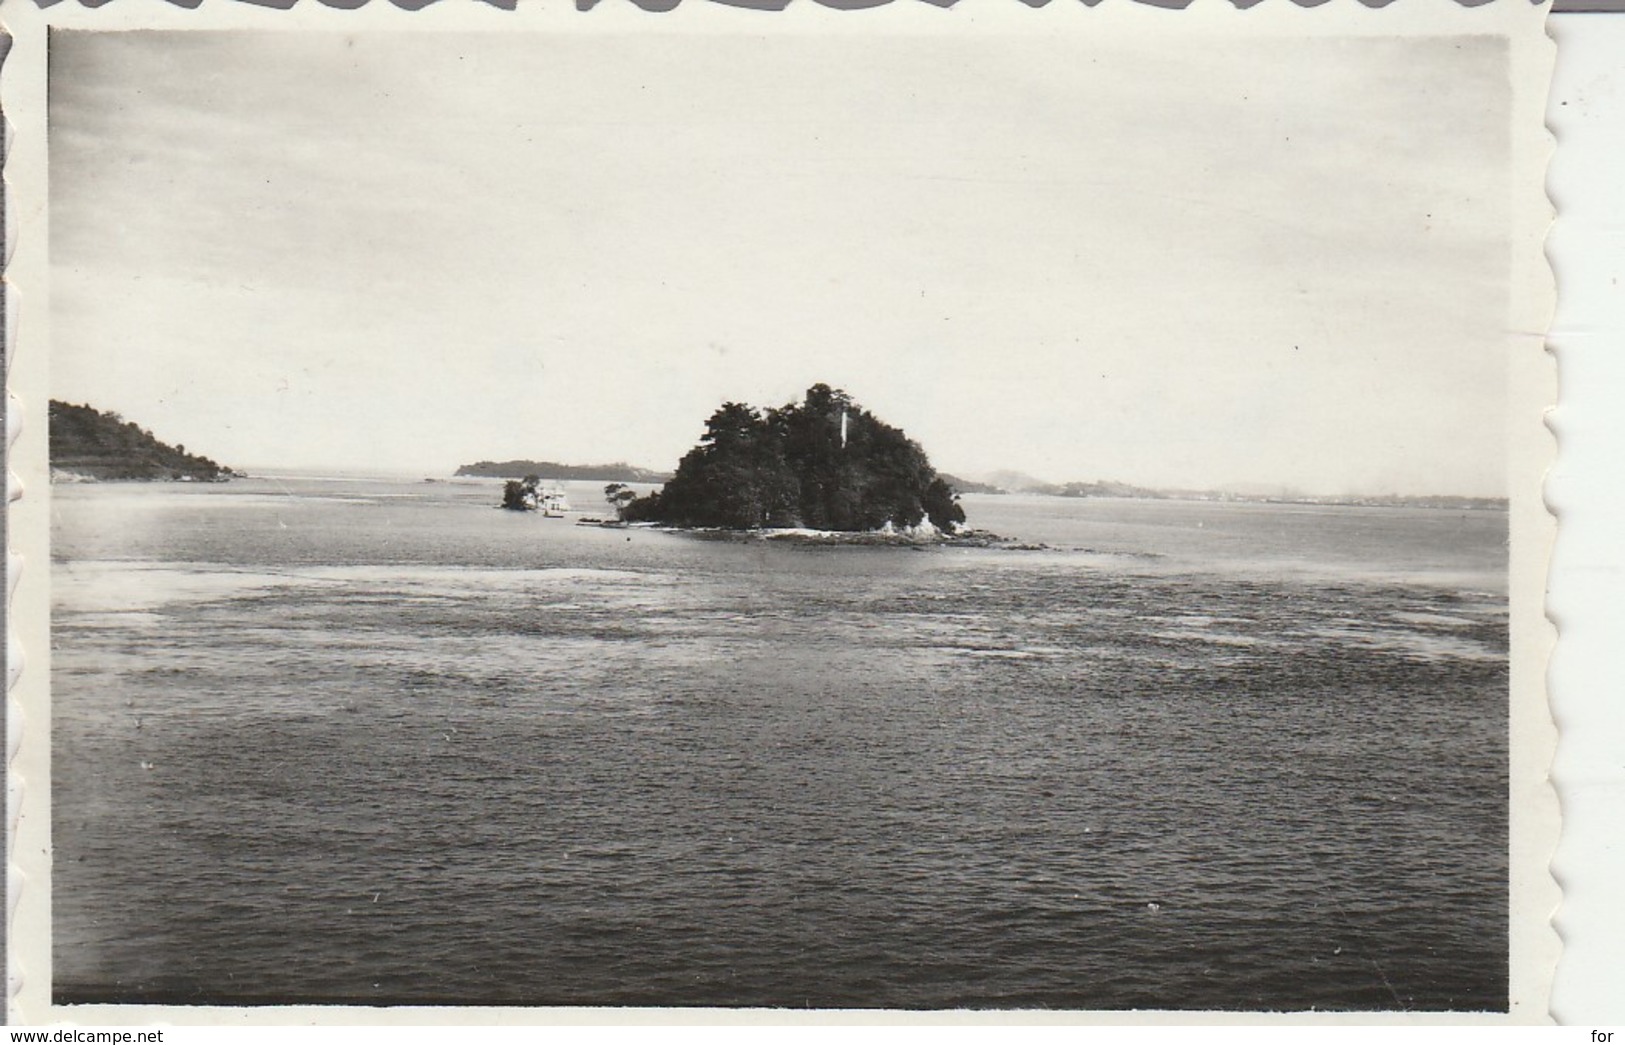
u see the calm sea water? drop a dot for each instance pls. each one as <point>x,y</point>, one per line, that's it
<point>376,742</point>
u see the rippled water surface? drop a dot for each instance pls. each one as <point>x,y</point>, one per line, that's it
<point>377,742</point>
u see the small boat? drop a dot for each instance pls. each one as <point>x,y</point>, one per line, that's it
<point>552,502</point>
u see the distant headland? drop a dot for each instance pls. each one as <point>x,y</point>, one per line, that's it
<point>87,444</point>
<point>619,472</point>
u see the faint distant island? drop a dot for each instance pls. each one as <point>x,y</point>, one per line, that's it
<point>619,472</point>
<point>1018,482</point>
<point>87,444</point>
<point>970,485</point>
<point>823,464</point>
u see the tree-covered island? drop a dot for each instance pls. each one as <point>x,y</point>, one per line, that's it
<point>88,444</point>
<point>824,463</point>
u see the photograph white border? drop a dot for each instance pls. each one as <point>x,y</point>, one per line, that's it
<point>1534,821</point>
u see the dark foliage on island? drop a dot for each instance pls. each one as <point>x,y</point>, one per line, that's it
<point>824,463</point>
<point>620,471</point>
<point>519,495</point>
<point>88,443</point>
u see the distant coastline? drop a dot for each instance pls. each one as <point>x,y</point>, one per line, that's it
<point>1016,483</point>
<point>619,472</point>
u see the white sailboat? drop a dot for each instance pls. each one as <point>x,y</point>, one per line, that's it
<point>552,502</point>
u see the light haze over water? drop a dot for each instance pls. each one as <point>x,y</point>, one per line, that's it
<point>373,741</point>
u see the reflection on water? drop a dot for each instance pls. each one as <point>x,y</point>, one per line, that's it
<point>378,742</point>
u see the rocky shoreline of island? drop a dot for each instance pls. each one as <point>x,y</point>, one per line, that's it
<point>919,538</point>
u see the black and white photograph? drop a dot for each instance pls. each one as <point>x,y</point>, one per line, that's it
<point>925,514</point>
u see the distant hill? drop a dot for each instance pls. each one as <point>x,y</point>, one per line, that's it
<point>90,444</point>
<point>969,485</point>
<point>619,472</point>
<point>1107,488</point>
<point>1015,482</point>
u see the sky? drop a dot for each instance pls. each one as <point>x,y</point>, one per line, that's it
<point>1247,264</point>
